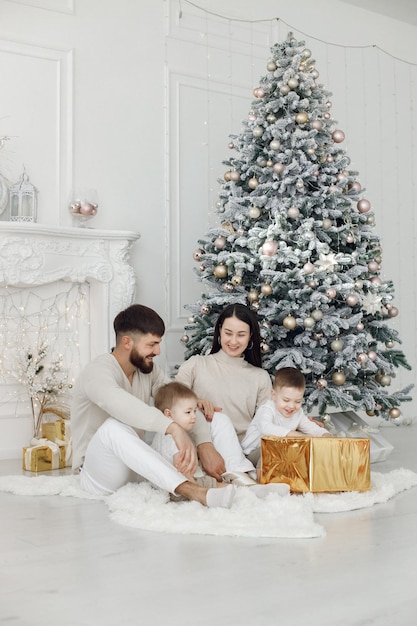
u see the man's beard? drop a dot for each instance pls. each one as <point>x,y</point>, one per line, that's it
<point>139,361</point>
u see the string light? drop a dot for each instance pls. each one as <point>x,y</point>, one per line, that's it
<point>29,320</point>
<point>293,28</point>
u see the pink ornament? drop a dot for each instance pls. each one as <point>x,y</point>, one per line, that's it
<point>363,206</point>
<point>331,293</point>
<point>355,186</point>
<point>393,312</point>
<point>270,248</point>
<point>373,267</point>
<point>376,280</point>
<point>317,124</point>
<point>362,358</point>
<point>308,268</point>
<point>360,326</point>
<point>278,168</point>
<point>338,136</point>
<point>293,212</point>
<point>197,254</point>
<point>220,243</point>
<point>235,176</point>
<point>87,208</point>
<point>352,299</point>
<point>372,355</point>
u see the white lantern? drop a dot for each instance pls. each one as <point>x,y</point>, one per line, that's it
<point>23,200</point>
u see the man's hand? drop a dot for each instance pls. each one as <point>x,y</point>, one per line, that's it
<point>186,460</point>
<point>211,461</point>
<point>207,408</point>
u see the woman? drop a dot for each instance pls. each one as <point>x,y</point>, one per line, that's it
<point>231,376</point>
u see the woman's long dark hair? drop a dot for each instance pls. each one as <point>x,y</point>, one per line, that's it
<point>252,353</point>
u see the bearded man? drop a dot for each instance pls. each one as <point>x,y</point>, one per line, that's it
<point>110,414</point>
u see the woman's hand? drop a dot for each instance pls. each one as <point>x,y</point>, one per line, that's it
<point>207,408</point>
<point>186,460</point>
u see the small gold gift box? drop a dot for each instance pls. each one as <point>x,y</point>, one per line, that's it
<point>60,429</point>
<point>44,456</point>
<point>316,464</point>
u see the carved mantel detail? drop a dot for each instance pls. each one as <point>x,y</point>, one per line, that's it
<point>33,254</point>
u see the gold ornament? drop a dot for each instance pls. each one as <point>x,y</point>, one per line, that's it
<point>336,345</point>
<point>385,380</point>
<point>220,271</point>
<point>254,212</point>
<point>339,378</point>
<point>253,183</point>
<point>308,322</point>
<point>236,280</point>
<point>253,295</point>
<point>266,289</point>
<point>301,118</point>
<point>394,413</point>
<point>289,322</point>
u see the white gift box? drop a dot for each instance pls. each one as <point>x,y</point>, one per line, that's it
<point>350,424</point>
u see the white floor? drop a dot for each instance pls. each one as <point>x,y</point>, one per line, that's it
<point>64,563</point>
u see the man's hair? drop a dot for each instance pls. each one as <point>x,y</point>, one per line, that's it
<point>169,394</point>
<point>289,377</point>
<point>138,318</point>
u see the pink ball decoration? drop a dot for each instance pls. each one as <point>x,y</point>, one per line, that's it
<point>363,206</point>
<point>308,268</point>
<point>220,243</point>
<point>355,186</point>
<point>338,136</point>
<point>372,355</point>
<point>393,312</point>
<point>197,254</point>
<point>258,92</point>
<point>235,176</point>
<point>352,299</point>
<point>293,212</point>
<point>362,357</point>
<point>317,124</point>
<point>331,293</point>
<point>376,280</point>
<point>270,248</point>
<point>278,168</point>
<point>87,208</point>
<point>373,266</point>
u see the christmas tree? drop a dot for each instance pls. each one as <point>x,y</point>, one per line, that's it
<point>296,243</point>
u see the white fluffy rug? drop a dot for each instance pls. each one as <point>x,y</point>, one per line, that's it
<point>142,506</point>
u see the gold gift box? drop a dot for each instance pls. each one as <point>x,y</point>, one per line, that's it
<point>60,429</point>
<point>42,458</point>
<point>316,464</point>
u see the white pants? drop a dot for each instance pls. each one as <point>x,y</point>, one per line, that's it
<point>226,442</point>
<point>116,453</point>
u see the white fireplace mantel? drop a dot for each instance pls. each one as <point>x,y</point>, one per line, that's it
<point>35,260</point>
<point>35,254</point>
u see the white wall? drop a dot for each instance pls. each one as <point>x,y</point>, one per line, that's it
<point>137,100</point>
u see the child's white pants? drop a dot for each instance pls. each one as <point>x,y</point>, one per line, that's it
<point>226,442</point>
